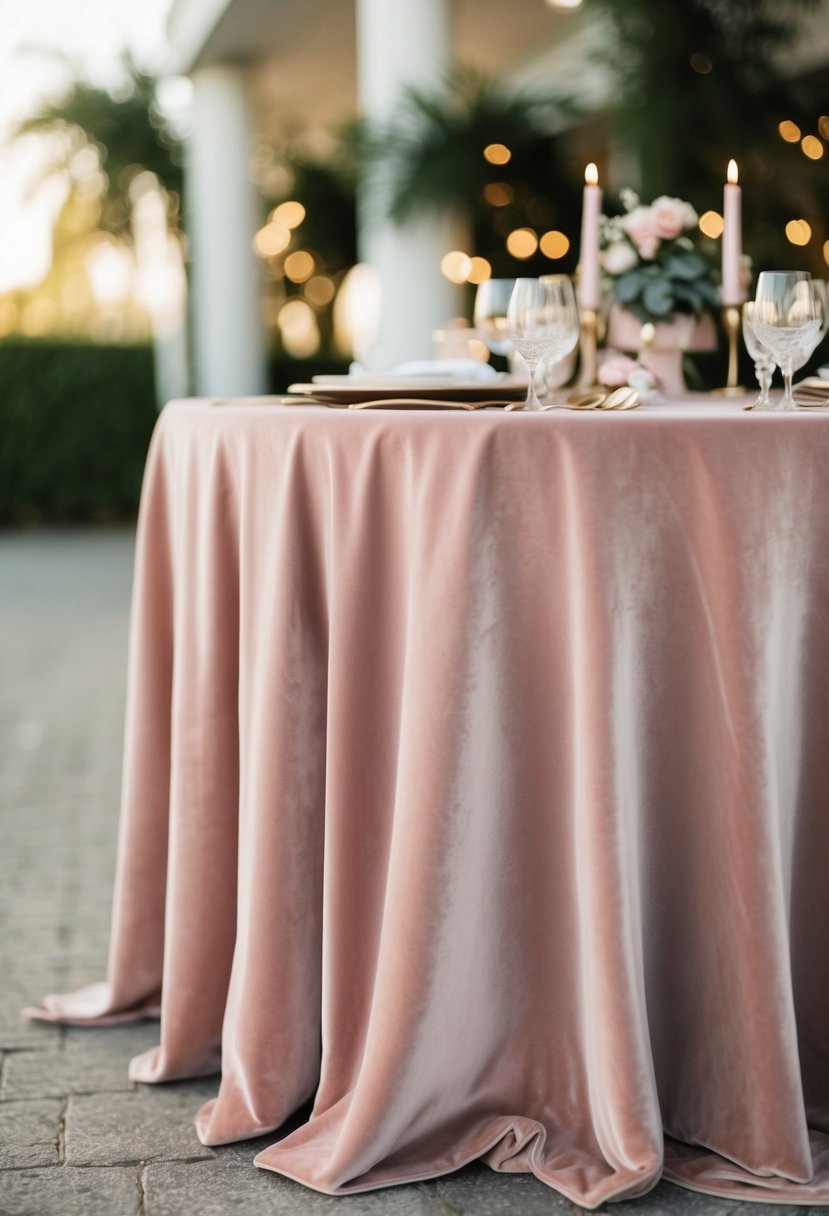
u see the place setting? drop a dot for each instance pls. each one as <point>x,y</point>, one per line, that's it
<point>644,287</point>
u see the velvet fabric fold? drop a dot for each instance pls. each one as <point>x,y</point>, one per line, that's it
<point>477,784</point>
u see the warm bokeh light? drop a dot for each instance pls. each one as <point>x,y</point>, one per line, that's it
<point>299,266</point>
<point>823,125</point>
<point>455,266</point>
<point>732,175</point>
<point>565,3</point>
<point>357,311</point>
<point>826,252</point>
<point>498,194</point>
<point>798,232</point>
<point>478,350</point>
<point>298,329</point>
<point>711,224</point>
<point>789,131</point>
<point>554,244</point>
<point>497,154</point>
<point>290,213</point>
<point>811,147</point>
<point>701,63</point>
<point>522,243</point>
<point>320,289</point>
<point>111,270</point>
<point>591,175</point>
<point>271,240</point>
<point>479,270</point>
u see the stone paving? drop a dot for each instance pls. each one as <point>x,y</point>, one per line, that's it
<point>76,1137</point>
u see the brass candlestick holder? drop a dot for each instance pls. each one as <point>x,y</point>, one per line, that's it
<point>588,348</point>
<point>731,325</point>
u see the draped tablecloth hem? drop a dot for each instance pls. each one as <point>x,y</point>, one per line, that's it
<point>635,1186</point>
<point>817,1195</point>
<point>151,1068</point>
<point>91,1006</point>
<point>737,1183</point>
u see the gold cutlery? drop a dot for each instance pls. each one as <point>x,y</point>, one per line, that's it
<point>621,399</point>
<point>425,403</point>
<point>586,401</point>
<point>618,399</point>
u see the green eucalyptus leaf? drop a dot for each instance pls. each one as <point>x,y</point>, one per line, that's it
<point>628,286</point>
<point>689,296</point>
<point>685,266</point>
<point>658,298</point>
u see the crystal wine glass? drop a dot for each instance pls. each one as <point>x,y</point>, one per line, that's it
<point>821,290</point>
<point>763,361</point>
<point>542,323</point>
<point>786,323</point>
<point>490,316</point>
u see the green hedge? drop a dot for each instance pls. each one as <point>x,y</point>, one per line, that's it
<point>75,421</point>
<point>285,371</point>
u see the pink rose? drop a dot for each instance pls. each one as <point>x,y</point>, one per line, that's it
<point>640,225</point>
<point>615,368</point>
<point>669,217</point>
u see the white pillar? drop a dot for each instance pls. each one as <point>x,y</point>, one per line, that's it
<point>221,202</point>
<point>403,42</point>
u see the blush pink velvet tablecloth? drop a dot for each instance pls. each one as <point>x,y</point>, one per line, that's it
<point>477,783</point>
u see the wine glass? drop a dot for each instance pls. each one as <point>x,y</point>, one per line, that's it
<point>490,315</point>
<point>543,323</point>
<point>821,290</point>
<point>786,323</point>
<point>763,361</point>
<point>554,373</point>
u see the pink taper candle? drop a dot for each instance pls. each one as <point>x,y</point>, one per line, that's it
<point>732,239</point>
<point>590,286</point>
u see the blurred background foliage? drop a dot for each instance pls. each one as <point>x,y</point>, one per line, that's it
<point>707,80</point>
<point>696,84</point>
<point>123,132</point>
<point>75,422</point>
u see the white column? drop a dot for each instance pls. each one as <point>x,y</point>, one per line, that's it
<point>221,202</point>
<point>402,42</point>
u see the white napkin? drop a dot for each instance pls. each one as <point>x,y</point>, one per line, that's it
<point>464,370</point>
<point>457,369</point>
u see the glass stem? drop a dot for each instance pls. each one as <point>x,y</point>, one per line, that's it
<point>765,382</point>
<point>762,372</point>
<point>788,398</point>
<point>532,402</point>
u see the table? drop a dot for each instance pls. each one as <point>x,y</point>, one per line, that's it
<point>477,783</point>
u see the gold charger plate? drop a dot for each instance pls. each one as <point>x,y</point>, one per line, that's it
<point>447,394</point>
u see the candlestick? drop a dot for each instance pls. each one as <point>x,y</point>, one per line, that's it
<point>732,239</point>
<point>588,355</point>
<point>731,325</point>
<point>590,285</point>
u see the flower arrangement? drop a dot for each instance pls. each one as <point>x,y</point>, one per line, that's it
<point>652,261</point>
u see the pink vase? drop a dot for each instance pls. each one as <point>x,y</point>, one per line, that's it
<point>662,356</point>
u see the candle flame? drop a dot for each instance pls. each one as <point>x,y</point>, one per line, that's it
<point>732,172</point>
<point>591,175</point>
